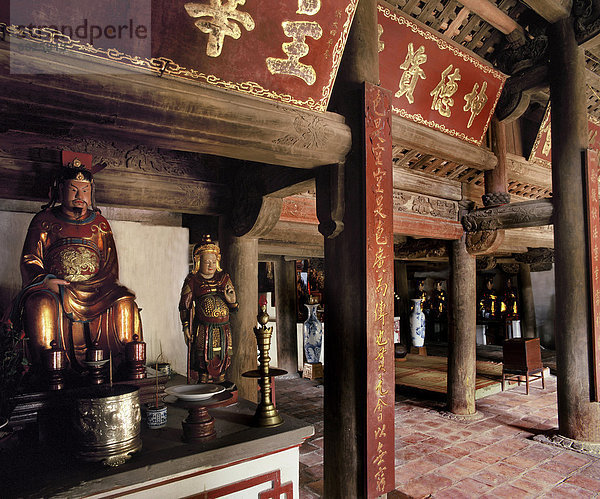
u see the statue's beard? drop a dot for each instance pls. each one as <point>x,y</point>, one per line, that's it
<point>79,211</point>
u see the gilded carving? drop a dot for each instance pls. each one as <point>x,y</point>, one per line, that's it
<point>442,93</point>
<point>295,50</point>
<point>218,21</point>
<point>412,72</point>
<point>475,101</point>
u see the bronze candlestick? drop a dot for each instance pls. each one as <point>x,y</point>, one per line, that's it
<point>55,360</point>
<point>135,355</point>
<point>266,414</point>
<point>95,361</point>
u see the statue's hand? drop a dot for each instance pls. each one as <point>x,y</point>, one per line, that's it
<point>229,293</point>
<point>186,334</point>
<point>53,284</point>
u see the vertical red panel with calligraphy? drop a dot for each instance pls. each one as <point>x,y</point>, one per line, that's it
<point>380,291</point>
<point>593,207</point>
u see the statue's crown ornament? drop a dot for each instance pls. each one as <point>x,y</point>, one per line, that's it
<point>206,246</point>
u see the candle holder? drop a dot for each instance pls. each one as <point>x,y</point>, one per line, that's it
<point>266,414</point>
<point>95,361</point>
<point>55,361</point>
<point>135,356</point>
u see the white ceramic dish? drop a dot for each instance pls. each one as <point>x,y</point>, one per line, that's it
<point>194,392</point>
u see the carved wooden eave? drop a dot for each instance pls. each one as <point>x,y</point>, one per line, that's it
<point>509,216</point>
<point>164,112</point>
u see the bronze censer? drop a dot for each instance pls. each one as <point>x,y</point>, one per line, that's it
<point>107,423</point>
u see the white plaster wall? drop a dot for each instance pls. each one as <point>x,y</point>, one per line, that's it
<point>153,262</point>
<point>542,284</point>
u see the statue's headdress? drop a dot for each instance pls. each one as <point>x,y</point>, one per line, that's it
<point>75,166</point>
<point>206,246</point>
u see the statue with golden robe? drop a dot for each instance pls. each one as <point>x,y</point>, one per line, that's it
<point>207,298</point>
<point>71,294</point>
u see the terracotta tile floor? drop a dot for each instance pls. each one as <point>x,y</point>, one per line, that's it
<point>443,458</point>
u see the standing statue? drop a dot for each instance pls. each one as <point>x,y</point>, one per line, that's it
<point>207,298</point>
<point>488,303</point>
<point>71,293</point>
<point>509,306</point>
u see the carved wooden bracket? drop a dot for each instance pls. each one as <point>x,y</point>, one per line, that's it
<point>421,248</point>
<point>509,216</point>
<point>486,262</point>
<point>330,200</point>
<point>536,255</point>
<point>517,92</point>
<point>484,242</point>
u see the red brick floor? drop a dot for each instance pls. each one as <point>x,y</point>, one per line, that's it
<point>439,457</point>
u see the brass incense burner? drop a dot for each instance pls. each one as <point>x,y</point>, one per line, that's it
<point>266,414</point>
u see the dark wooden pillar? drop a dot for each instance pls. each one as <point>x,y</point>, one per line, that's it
<point>401,279</point>
<point>578,418</point>
<point>285,304</point>
<point>240,259</point>
<point>462,334</point>
<point>527,314</point>
<point>495,180</point>
<point>345,283</point>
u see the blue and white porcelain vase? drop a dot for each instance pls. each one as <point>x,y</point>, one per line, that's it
<point>313,335</point>
<point>417,324</point>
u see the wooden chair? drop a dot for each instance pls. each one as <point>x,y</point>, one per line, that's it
<point>522,357</point>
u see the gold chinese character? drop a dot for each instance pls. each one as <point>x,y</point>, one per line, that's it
<point>308,7</point>
<point>380,432</point>
<point>379,258</point>
<point>381,287</point>
<point>443,92</point>
<point>379,406</point>
<point>219,22</point>
<point>381,391</point>
<point>298,31</point>
<point>412,72</point>
<point>475,102</point>
<point>380,312</point>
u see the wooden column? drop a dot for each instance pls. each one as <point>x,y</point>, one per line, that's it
<point>240,259</point>
<point>345,397</point>
<point>462,333</point>
<point>495,180</point>
<point>285,304</point>
<point>578,418</point>
<point>527,314</point>
<point>401,279</point>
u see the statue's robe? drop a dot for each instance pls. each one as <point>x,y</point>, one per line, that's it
<point>94,307</point>
<point>204,308</point>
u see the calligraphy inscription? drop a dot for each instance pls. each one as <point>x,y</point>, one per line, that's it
<point>379,259</point>
<point>218,21</point>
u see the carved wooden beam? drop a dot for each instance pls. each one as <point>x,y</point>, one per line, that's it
<point>550,10</point>
<point>427,141</point>
<point>536,255</point>
<point>414,249</point>
<point>513,215</point>
<point>484,242</point>
<point>517,92</point>
<point>164,112</point>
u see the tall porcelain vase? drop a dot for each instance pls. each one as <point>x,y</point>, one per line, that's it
<point>313,335</point>
<point>417,324</point>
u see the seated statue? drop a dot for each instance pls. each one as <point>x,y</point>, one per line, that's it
<point>71,293</point>
<point>207,297</point>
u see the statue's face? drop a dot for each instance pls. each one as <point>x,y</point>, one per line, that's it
<point>76,198</point>
<point>208,265</point>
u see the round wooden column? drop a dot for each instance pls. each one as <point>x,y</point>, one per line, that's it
<point>578,418</point>
<point>528,324</point>
<point>495,180</point>
<point>240,260</point>
<point>462,333</point>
